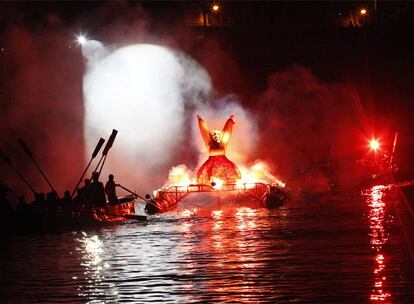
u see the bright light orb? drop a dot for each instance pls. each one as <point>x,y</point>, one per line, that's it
<point>363,11</point>
<point>216,7</point>
<point>81,39</point>
<point>139,90</point>
<point>374,144</point>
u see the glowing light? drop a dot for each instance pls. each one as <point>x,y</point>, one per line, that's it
<point>378,237</point>
<point>81,39</point>
<point>374,144</point>
<point>363,11</point>
<point>139,91</point>
<point>217,183</point>
<point>215,7</point>
<point>259,172</point>
<point>217,213</point>
<point>188,212</point>
<point>180,176</point>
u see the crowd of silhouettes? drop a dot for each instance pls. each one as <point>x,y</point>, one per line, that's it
<point>49,210</point>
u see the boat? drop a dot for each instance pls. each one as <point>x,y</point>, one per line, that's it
<point>266,195</point>
<point>62,219</point>
<point>123,210</point>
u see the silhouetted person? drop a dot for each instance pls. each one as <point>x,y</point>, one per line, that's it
<point>150,206</point>
<point>24,215</point>
<point>78,201</point>
<point>6,211</point>
<point>67,201</point>
<point>110,190</point>
<point>52,202</point>
<point>96,191</point>
<point>38,205</point>
<point>38,210</point>
<point>82,198</point>
<point>6,208</point>
<point>22,207</point>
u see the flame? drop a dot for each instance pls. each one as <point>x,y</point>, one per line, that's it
<point>180,176</point>
<point>259,172</point>
<point>218,183</point>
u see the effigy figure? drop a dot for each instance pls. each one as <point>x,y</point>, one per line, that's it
<point>217,165</point>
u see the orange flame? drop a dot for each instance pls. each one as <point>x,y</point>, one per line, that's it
<point>218,183</point>
<point>180,176</point>
<point>259,172</point>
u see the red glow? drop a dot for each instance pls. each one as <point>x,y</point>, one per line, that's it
<point>377,218</point>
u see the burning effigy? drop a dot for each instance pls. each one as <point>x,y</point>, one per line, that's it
<point>217,166</point>
<point>218,174</point>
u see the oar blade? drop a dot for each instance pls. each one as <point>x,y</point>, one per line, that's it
<point>98,147</point>
<point>110,142</point>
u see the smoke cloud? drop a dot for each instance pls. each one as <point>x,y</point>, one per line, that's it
<point>310,129</point>
<point>41,102</point>
<point>143,91</point>
<point>140,90</point>
<point>150,91</point>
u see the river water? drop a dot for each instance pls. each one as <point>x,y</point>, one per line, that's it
<point>334,248</point>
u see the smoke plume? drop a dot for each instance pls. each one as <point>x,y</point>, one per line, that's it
<point>141,83</point>
<point>310,129</point>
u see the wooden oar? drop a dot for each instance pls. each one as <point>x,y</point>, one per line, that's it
<point>8,161</point>
<point>106,150</point>
<point>130,191</point>
<point>9,189</point>
<point>95,152</point>
<point>29,153</point>
<point>135,217</point>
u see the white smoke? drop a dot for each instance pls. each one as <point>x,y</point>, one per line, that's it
<point>144,91</point>
<point>243,141</point>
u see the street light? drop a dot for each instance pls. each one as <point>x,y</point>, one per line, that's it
<point>363,11</point>
<point>215,7</point>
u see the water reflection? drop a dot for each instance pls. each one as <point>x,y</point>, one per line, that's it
<point>226,247</point>
<point>95,268</point>
<point>309,251</point>
<point>378,237</point>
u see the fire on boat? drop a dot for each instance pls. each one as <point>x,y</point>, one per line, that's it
<point>220,177</point>
<point>265,194</point>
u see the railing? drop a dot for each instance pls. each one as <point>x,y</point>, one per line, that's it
<point>167,199</point>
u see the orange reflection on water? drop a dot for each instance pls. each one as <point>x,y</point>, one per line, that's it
<point>233,247</point>
<point>246,218</point>
<point>377,217</point>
